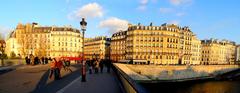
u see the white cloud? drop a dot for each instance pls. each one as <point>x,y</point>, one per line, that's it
<point>4,31</point>
<point>91,10</point>
<point>180,2</point>
<point>180,14</point>
<point>114,24</point>
<point>143,5</point>
<point>176,22</point>
<point>67,1</point>
<point>165,10</point>
<point>143,2</point>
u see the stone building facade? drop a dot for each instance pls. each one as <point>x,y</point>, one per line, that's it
<point>196,51</point>
<point>165,44</point>
<point>237,54</point>
<point>218,51</point>
<point>47,41</point>
<point>97,48</point>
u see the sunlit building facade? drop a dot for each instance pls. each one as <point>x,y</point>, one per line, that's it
<point>237,54</point>
<point>165,44</point>
<point>218,51</point>
<point>196,51</point>
<point>97,48</point>
<point>118,46</point>
<point>47,41</point>
<point>12,46</point>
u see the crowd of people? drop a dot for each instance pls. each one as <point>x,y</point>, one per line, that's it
<point>57,64</point>
<point>31,60</point>
<point>97,65</point>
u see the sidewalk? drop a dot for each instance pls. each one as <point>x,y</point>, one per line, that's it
<point>96,83</point>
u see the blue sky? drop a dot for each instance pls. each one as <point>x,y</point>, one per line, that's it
<point>207,18</point>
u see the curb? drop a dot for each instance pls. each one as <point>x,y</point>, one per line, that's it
<point>5,68</point>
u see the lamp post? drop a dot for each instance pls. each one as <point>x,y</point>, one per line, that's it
<point>3,45</point>
<point>83,25</point>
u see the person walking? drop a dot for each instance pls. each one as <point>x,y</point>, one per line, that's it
<point>42,60</point>
<point>90,66</point>
<point>29,60</point>
<point>35,61</point>
<point>46,60</point>
<point>38,60</point>
<point>96,66</point>
<point>26,59</point>
<point>53,66</point>
<point>66,65</point>
<point>101,65</point>
<point>59,66</point>
<point>108,64</point>
<point>32,59</point>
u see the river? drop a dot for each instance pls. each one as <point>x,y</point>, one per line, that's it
<point>194,87</point>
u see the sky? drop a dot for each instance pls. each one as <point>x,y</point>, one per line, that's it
<point>218,19</point>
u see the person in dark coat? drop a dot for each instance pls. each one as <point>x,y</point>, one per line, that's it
<point>101,65</point>
<point>46,60</point>
<point>42,60</point>
<point>27,61</point>
<point>35,60</point>
<point>108,64</point>
<point>50,58</point>
<point>90,66</point>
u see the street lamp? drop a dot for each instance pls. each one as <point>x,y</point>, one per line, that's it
<point>83,25</point>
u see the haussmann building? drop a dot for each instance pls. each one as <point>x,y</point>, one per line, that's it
<point>44,41</point>
<point>97,48</point>
<point>165,44</point>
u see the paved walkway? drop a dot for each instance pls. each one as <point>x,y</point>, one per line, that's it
<point>96,83</point>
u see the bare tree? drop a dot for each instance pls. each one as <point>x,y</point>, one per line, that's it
<point>41,46</point>
<point>1,36</point>
<point>2,49</point>
<point>25,45</point>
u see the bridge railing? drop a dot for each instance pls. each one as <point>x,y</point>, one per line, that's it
<point>129,85</point>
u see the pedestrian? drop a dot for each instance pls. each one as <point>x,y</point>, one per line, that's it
<point>46,60</point>
<point>90,66</point>
<point>96,64</point>
<point>26,59</point>
<point>52,69</point>
<point>35,60</point>
<point>101,65</point>
<point>66,65</point>
<point>59,66</point>
<point>38,60</point>
<point>42,60</point>
<point>108,64</point>
<point>50,58</point>
<point>32,59</point>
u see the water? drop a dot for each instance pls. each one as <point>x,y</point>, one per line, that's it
<point>194,87</point>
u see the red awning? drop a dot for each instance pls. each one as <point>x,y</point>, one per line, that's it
<point>73,58</point>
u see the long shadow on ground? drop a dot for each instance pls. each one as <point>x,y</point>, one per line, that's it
<point>53,87</point>
<point>8,69</point>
